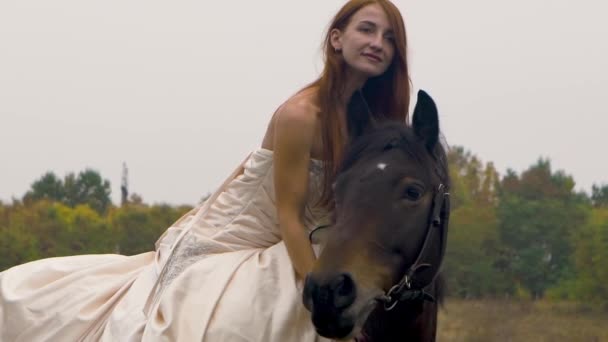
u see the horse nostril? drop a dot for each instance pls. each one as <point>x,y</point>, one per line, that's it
<point>344,290</point>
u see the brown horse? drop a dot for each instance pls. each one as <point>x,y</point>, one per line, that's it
<point>376,278</point>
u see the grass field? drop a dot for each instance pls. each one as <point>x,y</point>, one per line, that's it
<point>502,320</point>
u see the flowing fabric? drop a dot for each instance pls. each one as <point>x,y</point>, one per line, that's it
<point>220,273</point>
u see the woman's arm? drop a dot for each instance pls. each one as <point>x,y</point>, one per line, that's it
<point>293,136</point>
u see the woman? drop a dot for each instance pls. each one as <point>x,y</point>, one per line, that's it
<point>230,270</point>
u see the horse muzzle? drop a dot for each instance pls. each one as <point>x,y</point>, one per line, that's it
<point>328,299</point>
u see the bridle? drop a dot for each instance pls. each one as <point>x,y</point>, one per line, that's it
<point>409,287</point>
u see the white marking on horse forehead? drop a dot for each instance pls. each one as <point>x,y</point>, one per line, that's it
<point>382,166</point>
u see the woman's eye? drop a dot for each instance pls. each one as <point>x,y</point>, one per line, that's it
<point>412,193</point>
<point>365,29</point>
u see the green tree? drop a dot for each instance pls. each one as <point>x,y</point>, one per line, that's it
<point>49,186</point>
<point>83,231</point>
<point>87,188</point>
<point>588,281</point>
<point>472,262</point>
<point>139,225</point>
<point>538,214</point>
<point>43,229</point>
<point>16,246</point>
<point>599,195</point>
<point>591,259</point>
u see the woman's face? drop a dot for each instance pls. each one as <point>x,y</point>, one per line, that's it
<point>367,42</point>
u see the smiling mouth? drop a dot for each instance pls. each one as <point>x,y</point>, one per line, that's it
<point>360,338</point>
<point>373,57</point>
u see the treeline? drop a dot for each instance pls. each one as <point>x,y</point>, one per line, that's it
<point>528,235</point>
<point>75,215</point>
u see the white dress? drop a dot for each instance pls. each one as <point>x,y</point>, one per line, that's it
<point>228,279</point>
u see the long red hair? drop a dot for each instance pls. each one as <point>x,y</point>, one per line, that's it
<point>388,95</point>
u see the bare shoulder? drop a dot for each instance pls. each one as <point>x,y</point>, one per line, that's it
<point>299,111</point>
<point>295,122</point>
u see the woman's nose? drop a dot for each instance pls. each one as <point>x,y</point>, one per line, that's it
<point>377,42</point>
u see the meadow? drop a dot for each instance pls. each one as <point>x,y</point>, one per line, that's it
<point>514,320</point>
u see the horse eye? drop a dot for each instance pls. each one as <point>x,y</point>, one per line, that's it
<point>412,193</point>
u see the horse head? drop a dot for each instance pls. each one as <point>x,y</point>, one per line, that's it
<point>389,235</point>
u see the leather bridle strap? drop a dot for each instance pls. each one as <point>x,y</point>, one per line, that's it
<point>403,289</point>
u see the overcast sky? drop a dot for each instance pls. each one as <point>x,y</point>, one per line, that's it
<point>182,90</point>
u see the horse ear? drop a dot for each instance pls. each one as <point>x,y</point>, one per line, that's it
<point>359,116</point>
<point>426,120</point>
